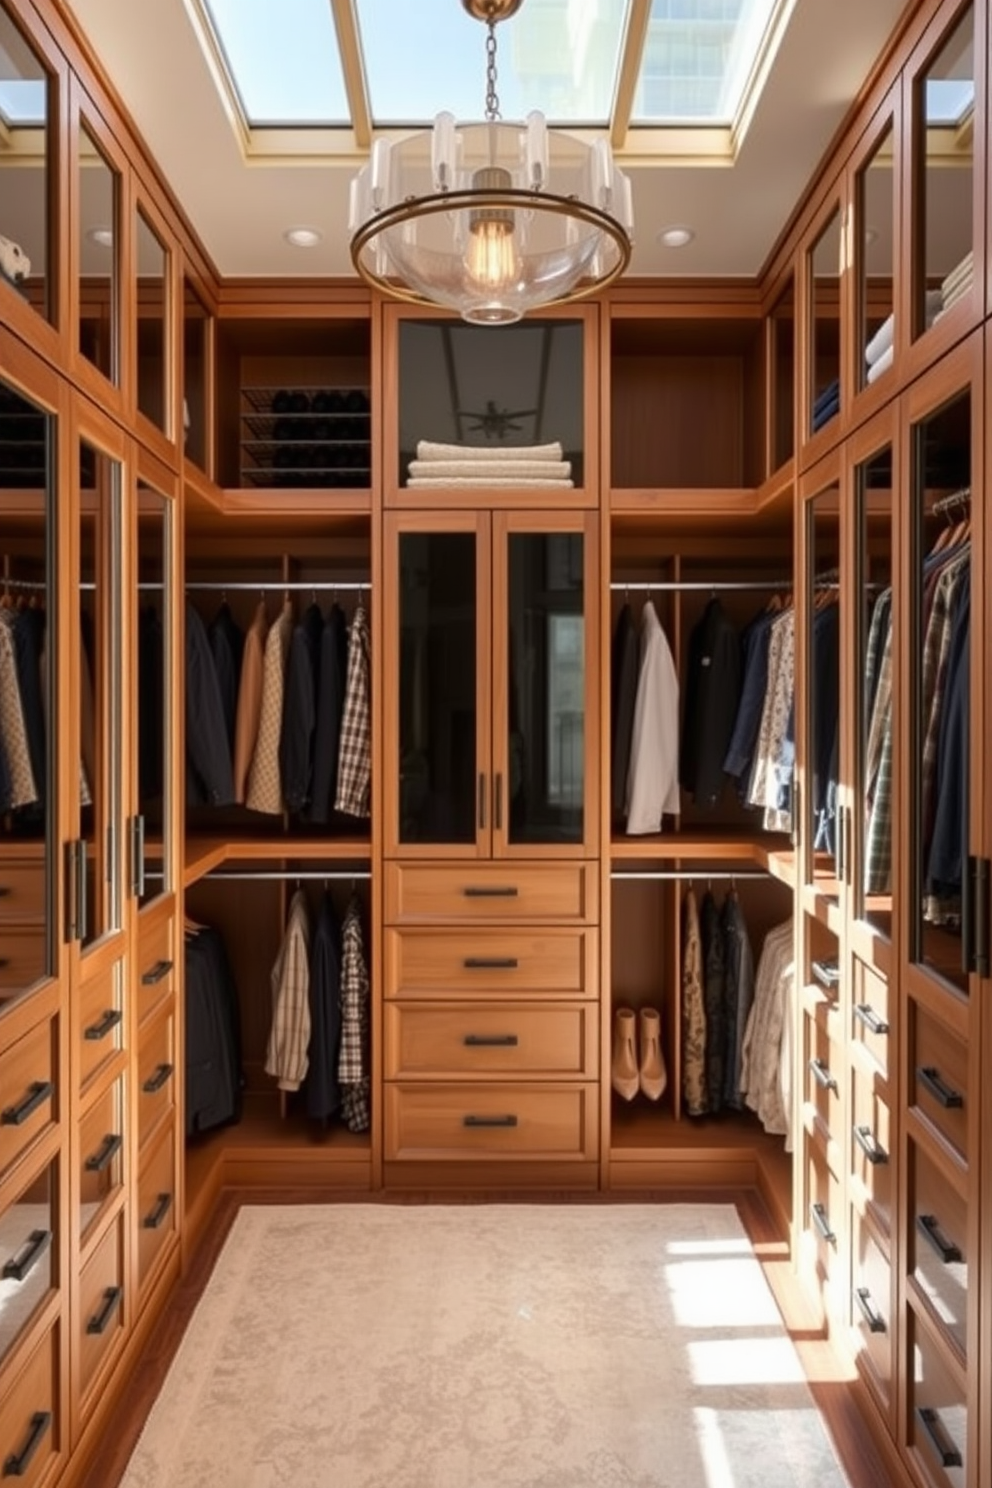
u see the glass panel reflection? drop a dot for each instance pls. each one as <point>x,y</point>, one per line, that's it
<point>546,688</point>
<point>28,1255</point>
<point>873,823</point>
<point>825,339</point>
<point>823,670</point>
<point>98,256</point>
<point>25,113</point>
<point>195,319</point>
<point>152,342</point>
<point>946,108</point>
<point>438,724</point>
<point>154,661</point>
<point>875,246</point>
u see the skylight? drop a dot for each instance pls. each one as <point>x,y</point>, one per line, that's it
<point>283,60</point>
<point>22,102</point>
<point>697,58</point>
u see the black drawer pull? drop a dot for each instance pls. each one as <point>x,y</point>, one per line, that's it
<point>28,1256</point>
<point>872,1149</point>
<point>162,1206</point>
<point>109,1148</point>
<point>490,1041</point>
<point>38,1092</point>
<point>821,1074</point>
<point>818,1214</point>
<point>490,963</point>
<point>827,973</point>
<point>110,1020</point>
<point>929,1077</point>
<point>155,1082</point>
<point>489,1121</point>
<point>17,1465</point>
<point>5,891</point>
<point>929,1227</point>
<point>100,1321</point>
<point>868,1016</point>
<point>874,1320</point>
<point>4,962</point>
<point>156,973</point>
<point>490,892</point>
<point>947,1456</point>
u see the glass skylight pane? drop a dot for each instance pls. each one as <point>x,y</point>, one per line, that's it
<point>22,101</point>
<point>283,59</point>
<point>697,57</point>
<point>949,100</point>
<point>560,56</point>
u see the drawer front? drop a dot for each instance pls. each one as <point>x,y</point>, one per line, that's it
<point>22,892</point>
<point>871,1308</point>
<point>483,892</point>
<point>460,963</point>
<point>491,1121</point>
<point>29,1417</point>
<point>28,1253</point>
<point>939,1243</point>
<point>27,1091</point>
<point>156,1075</point>
<point>822,1077</point>
<point>101,1304</point>
<point>499,1039</point>
<point>101,1154</point>
<point>871,1148</point>
<point>157,1209</point>
<point>823,1221</point>
<point>156,971</point>
<point>870,1017</point>
<point>23,960</point>
<point>938,1413</point>
<point>101,1032</point>
<point>939,1077</point>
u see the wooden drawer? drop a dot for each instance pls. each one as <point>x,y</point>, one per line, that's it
<point>938,1412</point>
<point>156,971</point>
<point>460,963</point>
<point>870,1014</point>
<point>939,1243</point>
<point>491,1121</point>
<point>22,891</point>
<point>27,1091</point>
<point>101,1304</point>
<point>871,1148</point>
<point>824,1221</point>
<point>939,1077</point>
<point>496,1039</point>
<point>101,1030</point>
<point>101,1154</point>
<point>29,1416</point>
<point>822,1075</point>
<point>156,1074</point>
<point>481,892</point>
<point>28,1253</point>
<point>157,1209</point>
<point>871,1305</point>
<point>23,960</point>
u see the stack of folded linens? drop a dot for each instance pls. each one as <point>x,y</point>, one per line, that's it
<point>475,465</point>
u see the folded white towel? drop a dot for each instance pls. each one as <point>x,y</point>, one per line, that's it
<point>962,288</point>
<point>504,470</point>
<point>881,342</point>
<point>884,362</point>
<point>470,482</point>
<point>427,450</point>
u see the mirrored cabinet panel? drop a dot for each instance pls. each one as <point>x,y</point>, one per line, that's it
<point>873,618</point>
<point>195,325</point>
<point>99,252</point>
<point>824,265</point>
<point>28,713</point>
<point>875,257</point>
<point>822,830</point>
<point>944,139</point>
<point>152,339</point>
<point>26,169</point>
<point>151,847</point>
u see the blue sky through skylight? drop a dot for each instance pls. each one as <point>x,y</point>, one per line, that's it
<point>283,59</point>
<point>22,101</point>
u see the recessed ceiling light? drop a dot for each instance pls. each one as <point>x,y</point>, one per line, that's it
<point>302,237</point>
<point>102,235</point>
<point>676,237</point>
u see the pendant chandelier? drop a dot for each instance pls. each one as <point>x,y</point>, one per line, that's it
<point>490,219</point>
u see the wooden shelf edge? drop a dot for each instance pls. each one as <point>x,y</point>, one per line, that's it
<point>690,501</point>
<point>212,852</point>
<point>746,850</point>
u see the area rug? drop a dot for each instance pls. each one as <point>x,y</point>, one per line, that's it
<point>486,1346</point>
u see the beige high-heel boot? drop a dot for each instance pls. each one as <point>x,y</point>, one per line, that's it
<point>653,1074</point>
<point>624,1064</point>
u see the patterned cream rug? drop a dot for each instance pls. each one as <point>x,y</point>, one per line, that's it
<point>474,1346</point>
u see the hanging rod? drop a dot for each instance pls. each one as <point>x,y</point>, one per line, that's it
<point>276,585</point>
<point>676,876</point>
<point>702,586</point>
<point>9,583</point>
<point>281,875</point>
<point>947,503</point>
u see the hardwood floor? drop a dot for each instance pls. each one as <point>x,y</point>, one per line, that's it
<point>838,1395</point>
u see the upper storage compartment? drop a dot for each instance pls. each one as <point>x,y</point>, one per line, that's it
<point>28,100</point>
<point>822,258</point>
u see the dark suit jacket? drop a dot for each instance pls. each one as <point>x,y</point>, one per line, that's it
<point>713,689</point>
<point>210,775</point>
<point>299,711</point>
<point>323,1092</point>
<point>624,696</point>
<point>227,643</point>
<point>332,678</point>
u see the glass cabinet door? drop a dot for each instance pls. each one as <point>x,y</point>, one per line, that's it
<point>820,771</point>
<point>874,262</point>
<point>152,855</point>
<point>823,276</point>
<point>28,129</point>
<point>99,190</point>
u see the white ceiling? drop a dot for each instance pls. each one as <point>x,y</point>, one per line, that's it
<point>240,206</point>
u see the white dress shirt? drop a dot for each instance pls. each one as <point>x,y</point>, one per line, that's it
<point>653,772</point>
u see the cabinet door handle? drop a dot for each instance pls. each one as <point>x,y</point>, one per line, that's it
<point>840,856</point>
<point>108,1150</point>
<point>867,1015</point>
<point>155,1081</point>
<point>38,1092</point>
<point>490,891</point>
<point>872,1149</point>
<point>929,1227</point>
<point>821,1221</point>
<point>983,915</point>
<point>156,973</point>
<point>28,1256</point>
<point>874,1320</point>
<point>821,1074</point>
<point>827,973</point>
<point>489,1121</point>
<point>71,893</point>
<point>490,1041</point>
<point>4,962</point>
<point>17,1464</point>
<point>137,838</point>
<point>153,1220</point>
<point>82,907</point>
<point>482,803</point>
<point>100,1321</point>
<point>97,1031</point>
<point>929,1078</point>
<point>498,811</point>
<point>5,891</point>
<point>490,963</point>
<point>929,1419</point>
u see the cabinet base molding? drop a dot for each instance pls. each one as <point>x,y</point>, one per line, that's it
<point>489,1178</point>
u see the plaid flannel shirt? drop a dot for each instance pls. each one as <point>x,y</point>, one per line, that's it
<point>355,754</point>
<point>935,652</point>
<point>353,1063</point>
<point>289,1038</point>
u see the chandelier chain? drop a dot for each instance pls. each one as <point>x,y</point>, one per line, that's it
<point>492,97</point>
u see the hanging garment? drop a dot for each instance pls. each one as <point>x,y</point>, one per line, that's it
<point>6,784</point>
<point>771,777</point>
<point>714,1001</point>
<point>23,791</point>
<point>766,1080</point>
<point>354,796</point>
<point>289,1038</point>
<point>623,680</point>
<point>653,772</point>
<point>29,643</point>
<point>207,752</point>
<point>331,685</point>
<point>151,703</point>
<point>878,755</point>
<point>249,710</point>
<point>739,759</point>
<point>87,704</point>
<point>694,1084</point>
<point>214,1081</point>
<point>227,644</point>
<point>739,994</point>
<point>323,1091</point>
<point>299,711</point>
<point>936,650</point>
<point>826,715</point>
<point>264,782</point>
<point>713,689</point>
<point>948,843</point>
<point>354,1071</point>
